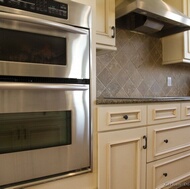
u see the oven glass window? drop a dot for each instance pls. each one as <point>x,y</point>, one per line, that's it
<point>28,131</point>
<point>19,46</point>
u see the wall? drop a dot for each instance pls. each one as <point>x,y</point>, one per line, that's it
<point>136,70</point>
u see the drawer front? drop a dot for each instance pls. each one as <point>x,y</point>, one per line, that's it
<point>168,172</point>
<point>119,117</point>
<point>185,111</point>
<point>168,139</point>
<point>163,113</point>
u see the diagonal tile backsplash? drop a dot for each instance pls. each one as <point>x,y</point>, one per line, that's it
<point>136,70</point>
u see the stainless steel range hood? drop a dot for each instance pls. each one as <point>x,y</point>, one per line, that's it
<point>151,17</point>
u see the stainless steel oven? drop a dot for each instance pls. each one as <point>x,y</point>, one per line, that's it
<point>45,128</point>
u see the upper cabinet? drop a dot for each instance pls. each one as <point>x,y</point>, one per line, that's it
<point>176,48</point>
<point>105,24</point>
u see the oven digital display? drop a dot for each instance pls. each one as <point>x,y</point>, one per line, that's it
<point>17,46</point>
<point>46,7</point>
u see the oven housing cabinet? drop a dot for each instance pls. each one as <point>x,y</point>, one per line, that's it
<point>45,124</point>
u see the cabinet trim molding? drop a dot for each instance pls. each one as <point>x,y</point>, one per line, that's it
<point>117,117</point>
<point>137,141</point>
<point>172,113</point>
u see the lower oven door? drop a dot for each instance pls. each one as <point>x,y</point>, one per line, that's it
<point>45,130</point>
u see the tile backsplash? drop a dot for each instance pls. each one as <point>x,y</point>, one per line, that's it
<point>136,70</point>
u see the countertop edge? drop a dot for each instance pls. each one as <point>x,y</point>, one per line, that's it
<point>140,100</point>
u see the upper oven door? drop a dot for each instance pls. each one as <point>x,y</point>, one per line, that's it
<point>31,46</point>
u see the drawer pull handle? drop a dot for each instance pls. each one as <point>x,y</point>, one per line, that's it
<point>165,174</point>
<point>126,117</point>
<point>113,31</point>
<point>166,141</point>
<point>145,146</point>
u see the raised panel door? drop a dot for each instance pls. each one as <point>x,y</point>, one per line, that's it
<point>105,23</point>
<point>121,159</point>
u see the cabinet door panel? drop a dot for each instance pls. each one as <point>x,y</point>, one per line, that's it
<point>176,48</point>
<point>105,22</point>
<point>122,159</point>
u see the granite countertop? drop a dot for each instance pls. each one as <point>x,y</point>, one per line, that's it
<point>140,100</point>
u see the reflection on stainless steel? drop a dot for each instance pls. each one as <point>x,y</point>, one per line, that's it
<point>48,161</point>
<point>44,91</point>
<point>74,30</point>
<point>42,86</point>
<point>152,17</point>
<point>32,48</point>
<point>23,18</point>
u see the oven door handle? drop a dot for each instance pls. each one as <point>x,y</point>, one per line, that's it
<point>42,86</point>
<point>39,21</point>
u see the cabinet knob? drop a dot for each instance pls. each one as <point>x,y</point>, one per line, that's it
<point>126,117</point>
<point>166,141</point>
<point>165,174</point>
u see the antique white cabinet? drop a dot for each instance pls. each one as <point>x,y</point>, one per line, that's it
<point>105,24</point>
<point>122,148</point>
<point>143,146</point>
<point>176,48</point>
<point>168,148</point>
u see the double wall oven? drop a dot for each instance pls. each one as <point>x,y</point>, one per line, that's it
<point>45,128</point>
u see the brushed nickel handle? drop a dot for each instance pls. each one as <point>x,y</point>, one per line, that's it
<point>42,86</point>
<point>28,19</point>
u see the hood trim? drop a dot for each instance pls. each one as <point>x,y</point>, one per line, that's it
<point>134,14</point>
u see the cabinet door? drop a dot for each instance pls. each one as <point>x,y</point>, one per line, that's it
<point>176,48</point>
<point>105,23</point>
<point>187,33</point>
<point>121,159</point>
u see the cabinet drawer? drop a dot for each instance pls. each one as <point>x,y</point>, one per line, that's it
<point>185,111</point>
<point>163,113</point>
<point>168,139</point>
<point>168,172</point>
<point>119,117</point>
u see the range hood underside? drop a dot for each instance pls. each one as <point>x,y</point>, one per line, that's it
<point>148,25</point>
<point>151,17</point>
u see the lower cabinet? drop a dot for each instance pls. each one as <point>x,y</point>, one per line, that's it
<point>169,172</point>
<point>122,159</point>
<point>144,146</point>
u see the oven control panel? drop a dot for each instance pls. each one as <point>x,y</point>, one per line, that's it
<point>46,7</point>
